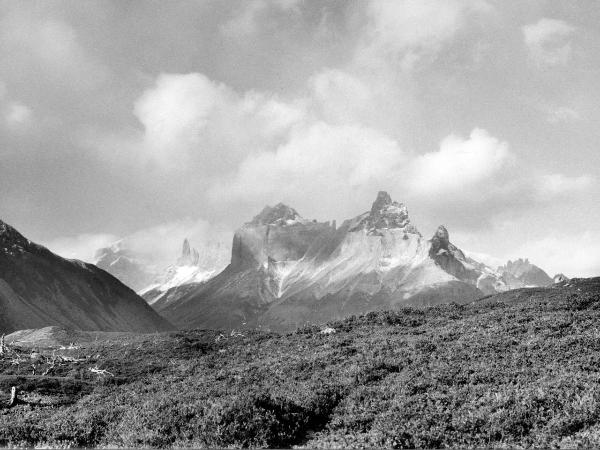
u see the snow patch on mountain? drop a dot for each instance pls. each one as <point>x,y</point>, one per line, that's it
<point>193,266</point>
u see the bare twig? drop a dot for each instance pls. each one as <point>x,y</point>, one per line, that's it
<point>49,369</point>
<point>72,346</point>
<point>13,397</point>
<point>72,359</point>
<point>98,371</point>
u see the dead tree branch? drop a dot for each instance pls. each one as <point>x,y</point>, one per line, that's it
<point>13,397</point>
<point>98,371</point>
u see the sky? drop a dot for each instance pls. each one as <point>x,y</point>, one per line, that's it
<point>170,119</point>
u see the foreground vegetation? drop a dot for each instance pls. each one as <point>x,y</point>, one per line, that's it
<point>518,369</point>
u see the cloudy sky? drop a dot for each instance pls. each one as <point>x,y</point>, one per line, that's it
<point>179,118</point>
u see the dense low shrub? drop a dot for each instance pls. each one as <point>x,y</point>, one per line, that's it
<point>518,369</point>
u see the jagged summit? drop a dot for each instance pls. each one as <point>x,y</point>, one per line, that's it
<point>441,235</point>
<point>516,267</point>
<point>440,244</point>
<point>385,214</point>
<point>382,201</point>
<point>525,272</point>
<point>189,256</point>
<point>280,214</point>
<point>286,271</point>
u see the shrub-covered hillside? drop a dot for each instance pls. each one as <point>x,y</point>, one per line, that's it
<point>518,369</point>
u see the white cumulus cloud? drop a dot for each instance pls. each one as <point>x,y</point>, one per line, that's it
<point>460,164</point>
<point>549,41</point>
<point>192,122</point>
<point>407,30</point>
<point>320,168</point>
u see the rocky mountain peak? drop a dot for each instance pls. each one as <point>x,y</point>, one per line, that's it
<point>189,256</point>
<point>280,214</point>
<point>11,239</point>
<point>517,267</point>
<point>186,248</point>
<point>381,202</point>
<point>528,273</point>
<point>442,236</point>
<point>440,242</point>
<point>385,214</point>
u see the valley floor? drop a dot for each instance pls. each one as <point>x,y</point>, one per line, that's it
<point>518,369</point>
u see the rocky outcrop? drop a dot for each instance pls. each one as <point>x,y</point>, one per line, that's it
<point>39,288</point>
<point>560,278</point>
<point>453,261</point>
<point>192,268</point>
<point>385,214</point>
<point>189,256</point>
<point>279,214</point>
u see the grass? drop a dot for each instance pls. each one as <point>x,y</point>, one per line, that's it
<point>519,369</point>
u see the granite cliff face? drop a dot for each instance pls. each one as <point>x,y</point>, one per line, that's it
<point>286,270</point>
<point>39,288</point>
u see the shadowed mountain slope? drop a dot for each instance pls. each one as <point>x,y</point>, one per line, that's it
<point>39,288</point>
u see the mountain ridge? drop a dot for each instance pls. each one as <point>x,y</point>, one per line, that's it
<point>39,288</point>
<point>286,270</point>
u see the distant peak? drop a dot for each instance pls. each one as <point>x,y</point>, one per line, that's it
<point>280,214</point>
<point>440,241</point>
<point>385,214</point>
<point>526,271</point>
<point>383,199</point>
<point>442,234</point>
<point>189,256</point>
<point>441,246</point>
<point>185,250</point>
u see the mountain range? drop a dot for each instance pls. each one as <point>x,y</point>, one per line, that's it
<point>150,278</point>
<point>39,288</point>
<point>286,271</point>
<point>280,272</point>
